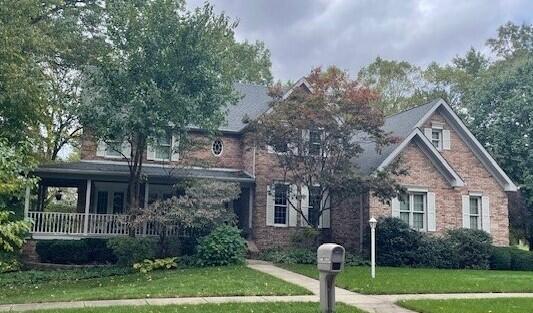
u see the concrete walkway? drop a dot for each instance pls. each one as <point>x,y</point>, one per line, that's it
<point>364,302</point>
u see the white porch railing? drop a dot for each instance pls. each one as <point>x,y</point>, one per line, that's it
<point>98,225</point>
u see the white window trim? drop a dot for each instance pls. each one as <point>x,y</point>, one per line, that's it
<point>158,145</point>
<point>111,156</point>
<point>287,206</point>
<point>410,193</point>
<point>221,150</point>
<point>440,139</point>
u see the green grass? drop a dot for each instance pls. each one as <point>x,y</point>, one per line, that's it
<point>302,307</point>
<point>401,280</point>
<point>191,282</point>
<point>503,305</point>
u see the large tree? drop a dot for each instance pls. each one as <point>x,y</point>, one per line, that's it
<point>45,42</point>
<point>166,69</point>
<point>317,134</point>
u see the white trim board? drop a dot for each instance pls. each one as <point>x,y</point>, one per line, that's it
<point>431,152</point>
<point>468,138</point>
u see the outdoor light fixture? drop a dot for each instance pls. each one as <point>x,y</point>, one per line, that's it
<point>373,222</point>
<point>59,194</point>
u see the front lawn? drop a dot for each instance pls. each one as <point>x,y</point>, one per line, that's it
<point>301,307</point>
<point>402,280</point>
<point>190,282</point>
<point>503,305</point>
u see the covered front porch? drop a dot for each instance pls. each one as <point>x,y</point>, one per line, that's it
<point>88,198</point>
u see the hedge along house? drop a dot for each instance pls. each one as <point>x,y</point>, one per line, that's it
<point>452,182</point>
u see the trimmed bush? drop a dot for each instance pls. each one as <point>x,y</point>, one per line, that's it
<point>224,246</point>
<point>63,251</point>
<point>521,260</point>
<point>435,252</point>
<point>355,259</point>
<point>84,251</point>
<point>130,250</point>
<point>397,243</point>
<point>501,258</point>
<point>472,248</point>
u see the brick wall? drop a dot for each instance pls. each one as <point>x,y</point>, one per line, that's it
<point>448,199</point>
<point>231,157</point>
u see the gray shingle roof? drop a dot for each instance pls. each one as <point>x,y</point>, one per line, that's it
<point>399,125</point>
<point>255,101</point>
<point>91,168</point>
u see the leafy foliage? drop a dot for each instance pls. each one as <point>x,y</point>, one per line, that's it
<point>129,250</point>
<point>399,245</point>
<point>12,233</point>
<point>224,246</point>
<point>197,212</point>
<point>12,265</point>
<point>159,54</point>
<point>339,114</point>
<point>84,251</point>
<point>156,264</point>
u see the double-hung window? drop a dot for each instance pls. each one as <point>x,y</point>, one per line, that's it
<point>315,141</point>
<point>113,149</point>
<point>413,209</point>
<point>281,204</point>
<point>314,204</point>
<point>163,148</point>
<point>436,138</point>
<point>475,212</point>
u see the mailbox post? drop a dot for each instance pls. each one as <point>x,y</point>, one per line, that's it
<point>330,262</point>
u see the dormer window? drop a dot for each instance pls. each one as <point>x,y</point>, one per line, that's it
<point>436,138</point>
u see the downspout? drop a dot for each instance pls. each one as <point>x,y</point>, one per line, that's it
<point>253,163</point>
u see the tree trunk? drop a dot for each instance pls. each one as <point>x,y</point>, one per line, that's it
<point>134,180</point>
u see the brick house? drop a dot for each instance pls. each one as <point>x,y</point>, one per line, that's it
<point>453,182</point>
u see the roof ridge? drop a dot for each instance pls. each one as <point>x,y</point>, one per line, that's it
<point>411,108</point>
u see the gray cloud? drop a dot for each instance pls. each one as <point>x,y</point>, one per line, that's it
<point>302,34</point>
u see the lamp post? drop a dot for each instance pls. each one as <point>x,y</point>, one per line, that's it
<point>373,222</point>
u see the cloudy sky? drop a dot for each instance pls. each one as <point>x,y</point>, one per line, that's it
<point>302,34</point>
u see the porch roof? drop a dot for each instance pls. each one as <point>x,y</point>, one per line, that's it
<point>108,169</point>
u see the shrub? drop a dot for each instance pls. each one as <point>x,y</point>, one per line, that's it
<point>63,251</point>
<point>289,256</point>
<point>472,248</point>
<point>500,258</point>
<point>130,250</point>
<point>435,252</point>
<point>12,265</point>
<point>151,265</point>
<point>84,251</point>
<point>305,238</point>
<point>355,259</point>
<point>223,246</point>
<point>396,242</point>
<point>521,260</point>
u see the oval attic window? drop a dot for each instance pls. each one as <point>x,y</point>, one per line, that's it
<point>218,147</point>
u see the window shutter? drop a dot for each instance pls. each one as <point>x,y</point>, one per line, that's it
<point>325,217</point>
<point>446,142</point>
<point>432,225</point>
<point>466,211</point>
<point>305,205</point>
<point>427,132</point>
<point>306,140</point>
<point>291,207</point>
<point>126,149</point>
<point>270,205</point>
<point>174,153</point>
<point>150,152</point>
<point>100,149</point>
<point>485,214</point>
<point>395,204</point>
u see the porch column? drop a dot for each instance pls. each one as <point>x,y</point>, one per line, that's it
<point>87,206</point>
<point>27,202</point>
<point>146,193</point>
